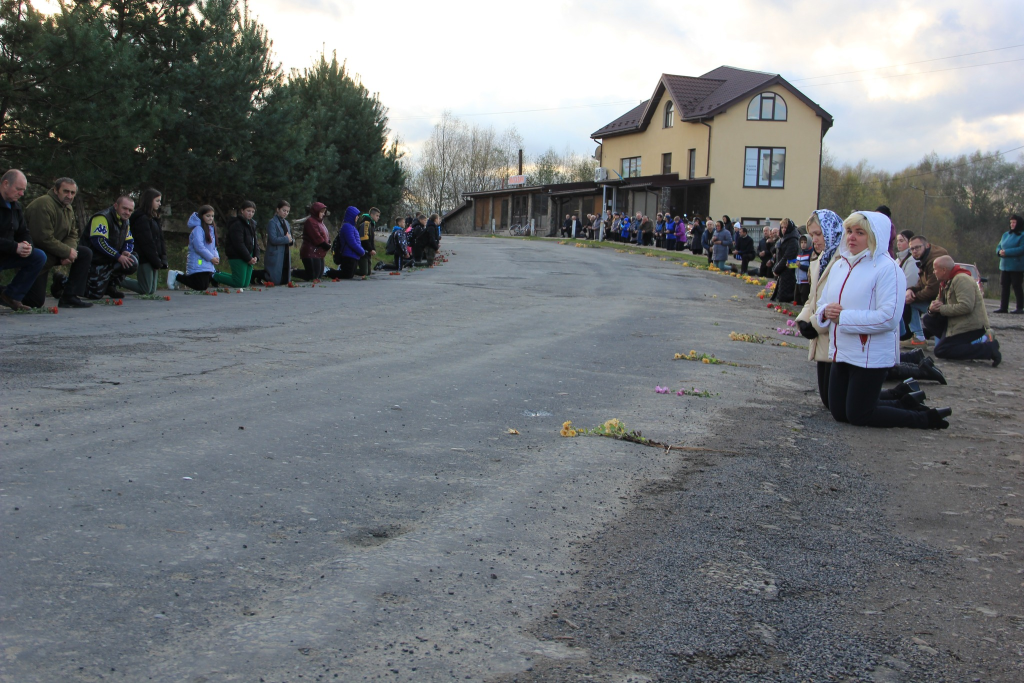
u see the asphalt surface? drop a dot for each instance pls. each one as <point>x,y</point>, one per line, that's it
<point>320,484</point>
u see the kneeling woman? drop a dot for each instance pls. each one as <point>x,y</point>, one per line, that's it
<point>861,304</point>
<point>203,256</point>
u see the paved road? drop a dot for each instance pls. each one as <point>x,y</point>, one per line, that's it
<point>320,481</point>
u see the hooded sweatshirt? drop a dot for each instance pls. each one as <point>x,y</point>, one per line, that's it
<point>870,287</point>
<point>348,236</point>
<point>200,252</point>
<point>315,240</point>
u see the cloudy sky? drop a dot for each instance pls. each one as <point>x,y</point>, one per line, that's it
<point>585,62</point>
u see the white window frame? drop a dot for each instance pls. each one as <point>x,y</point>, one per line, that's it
<point>761,99</point>
<point>756,175</point>
<point>630,167</point>
<point>668,120</point>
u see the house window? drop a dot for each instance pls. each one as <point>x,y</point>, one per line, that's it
<point>765,167</point>
<point>666,163</point>
<point>767,107</point>
<point>670,114</point>
<point>693,164</point>
<point>631,167</point>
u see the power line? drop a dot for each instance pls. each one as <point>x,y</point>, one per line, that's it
<point>916,73</point>
<point>918,175</point>
<point>923,61</point>
<point>524,111</point>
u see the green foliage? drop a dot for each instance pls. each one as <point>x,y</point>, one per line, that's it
<point>184,95</point>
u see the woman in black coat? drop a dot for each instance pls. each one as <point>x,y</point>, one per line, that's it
<point>150,247</point>
<point>786,250</point>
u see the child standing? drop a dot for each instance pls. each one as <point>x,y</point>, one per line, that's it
<point>203,256</point>
<point>803,265</point>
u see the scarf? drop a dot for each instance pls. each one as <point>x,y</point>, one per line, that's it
<point>832,230</point>
<point>957,270</point>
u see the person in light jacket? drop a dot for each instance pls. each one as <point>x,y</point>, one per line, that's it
<point>1011,266</point>
<point>861,304</point>
<point>203,256</point>
<point>278,258</point>
<point>721,245</point>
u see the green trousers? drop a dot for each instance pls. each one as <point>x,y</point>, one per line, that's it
<point>365,265</point>
<point>148,277</point>
<point>240,277</point>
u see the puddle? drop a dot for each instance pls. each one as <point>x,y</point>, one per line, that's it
<point>539,413</point>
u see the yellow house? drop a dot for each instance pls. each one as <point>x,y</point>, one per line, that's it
<point>737,142</point>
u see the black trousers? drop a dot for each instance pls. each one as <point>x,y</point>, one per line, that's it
<point>78,277</point>
<point>1011,279</point>
<point>962,347</point>
<point>853,398</point>
<point>197,281</point>
<point>346,269</point>
<point>824,375</point>
<point>106,276</point>
<point>744,262</point>
<point>313,269</point>
<point>762,270</point>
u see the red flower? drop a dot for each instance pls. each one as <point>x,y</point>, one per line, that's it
<point>54,310</point>
<point>167,298</point>
<point>213,293</point>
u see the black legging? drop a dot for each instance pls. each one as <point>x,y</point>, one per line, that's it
<point>1011,279</point>
<point>346,269</point>
<point>885,398</point>
<point>197,281</point>
<point>313,269</point>
<point>853,397</point>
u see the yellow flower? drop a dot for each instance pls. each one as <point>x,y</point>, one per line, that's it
<point>706,361</point>
<point>567,429</point>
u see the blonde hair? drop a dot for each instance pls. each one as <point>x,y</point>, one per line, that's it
<point>861,220</point>
<point>813,219</point>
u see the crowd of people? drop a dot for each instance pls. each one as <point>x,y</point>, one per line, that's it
<point>127,239</point>
<point>872,299</point>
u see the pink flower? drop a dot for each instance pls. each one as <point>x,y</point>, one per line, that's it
<point>791,323</point>
<point>681,392</point>
<point>660,389</point>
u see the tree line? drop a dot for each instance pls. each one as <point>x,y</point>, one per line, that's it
<point>459,157</point>
<point>185,96</point>
<point>962,203</point>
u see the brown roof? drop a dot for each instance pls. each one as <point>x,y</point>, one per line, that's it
<point>703,97</point>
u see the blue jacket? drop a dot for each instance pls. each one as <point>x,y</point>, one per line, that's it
<point>1013,244</point>
<point>624,232</point>
<point>199,251</point>
<point>349,235</point>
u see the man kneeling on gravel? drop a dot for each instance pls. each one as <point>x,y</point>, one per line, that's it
<point>962,307</point>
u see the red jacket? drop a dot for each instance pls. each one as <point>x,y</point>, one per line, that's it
<point>314,235</point>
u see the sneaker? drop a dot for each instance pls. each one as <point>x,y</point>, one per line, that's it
<point>918,342</point>
<point>172,279</point>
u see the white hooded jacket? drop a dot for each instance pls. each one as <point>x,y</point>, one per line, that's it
<point>870,287</point>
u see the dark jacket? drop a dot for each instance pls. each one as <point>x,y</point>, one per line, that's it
<point>786,249</point>
<point>366,226</point>
<point>766,248</point>
<point>241,243</point>
<point>315,240</point>
<point>13,228</point>
<point>149,240</point>
<point>108,236</point>
<point>53,226</point>
<point>745,247</point>
<point>428,237</point>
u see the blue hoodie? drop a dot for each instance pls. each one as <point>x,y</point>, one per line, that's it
<point>199,250</point>
<point>348,236</point>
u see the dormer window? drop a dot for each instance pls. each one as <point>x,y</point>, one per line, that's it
<point>670,114</point>
<point>767,107</point>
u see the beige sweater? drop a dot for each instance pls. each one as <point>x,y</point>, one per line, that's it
<point>818,350</point>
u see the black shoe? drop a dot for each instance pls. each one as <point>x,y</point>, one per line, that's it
<point>1000,310</point>
<point>914,356</point>
<point>1017,312</point>
<point>929,371</point>
<point>936,418</point>
<point>115,293</point>
<point>57,286</point>
<point>912,383</point>
<point>997,357</point>
<point>72,302</point>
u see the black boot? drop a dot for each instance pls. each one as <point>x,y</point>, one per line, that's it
<point>57,286</point>
<point>936,418</point>
<point>913,401</point>
<point>927,370</point>
<point>900,390</point>
<point>915,356</point>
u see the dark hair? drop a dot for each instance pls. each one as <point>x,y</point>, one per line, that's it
<point>202,211</point>
<point>883,209</point>
<point>246,205</point>
<point>373,209</point>
<point>63,181</point>
<point>281,204</point>
<point>907,234</point>
<point>719,224</point>
<point>1020,222</point>
<point>726,219</point>
<point>146,200</point>
<point>922,238</point>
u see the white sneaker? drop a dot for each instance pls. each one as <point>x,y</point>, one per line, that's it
<point>172,278</point>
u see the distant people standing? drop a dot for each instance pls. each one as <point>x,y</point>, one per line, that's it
<point>241,248</point>
<point>567,226</point>
<point>909,266</point>
<point>203,257</point>
<point>315,244</point>
<point>277,261</point>
<point>1011,266</point>
<point>430,240</point>
<point>150,248</point>
<point>110,238</point>
<point>16,250</point>
<point>52,225</point>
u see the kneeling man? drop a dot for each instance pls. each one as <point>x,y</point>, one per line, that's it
<point>110,238</point>
<point>962,306</point>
